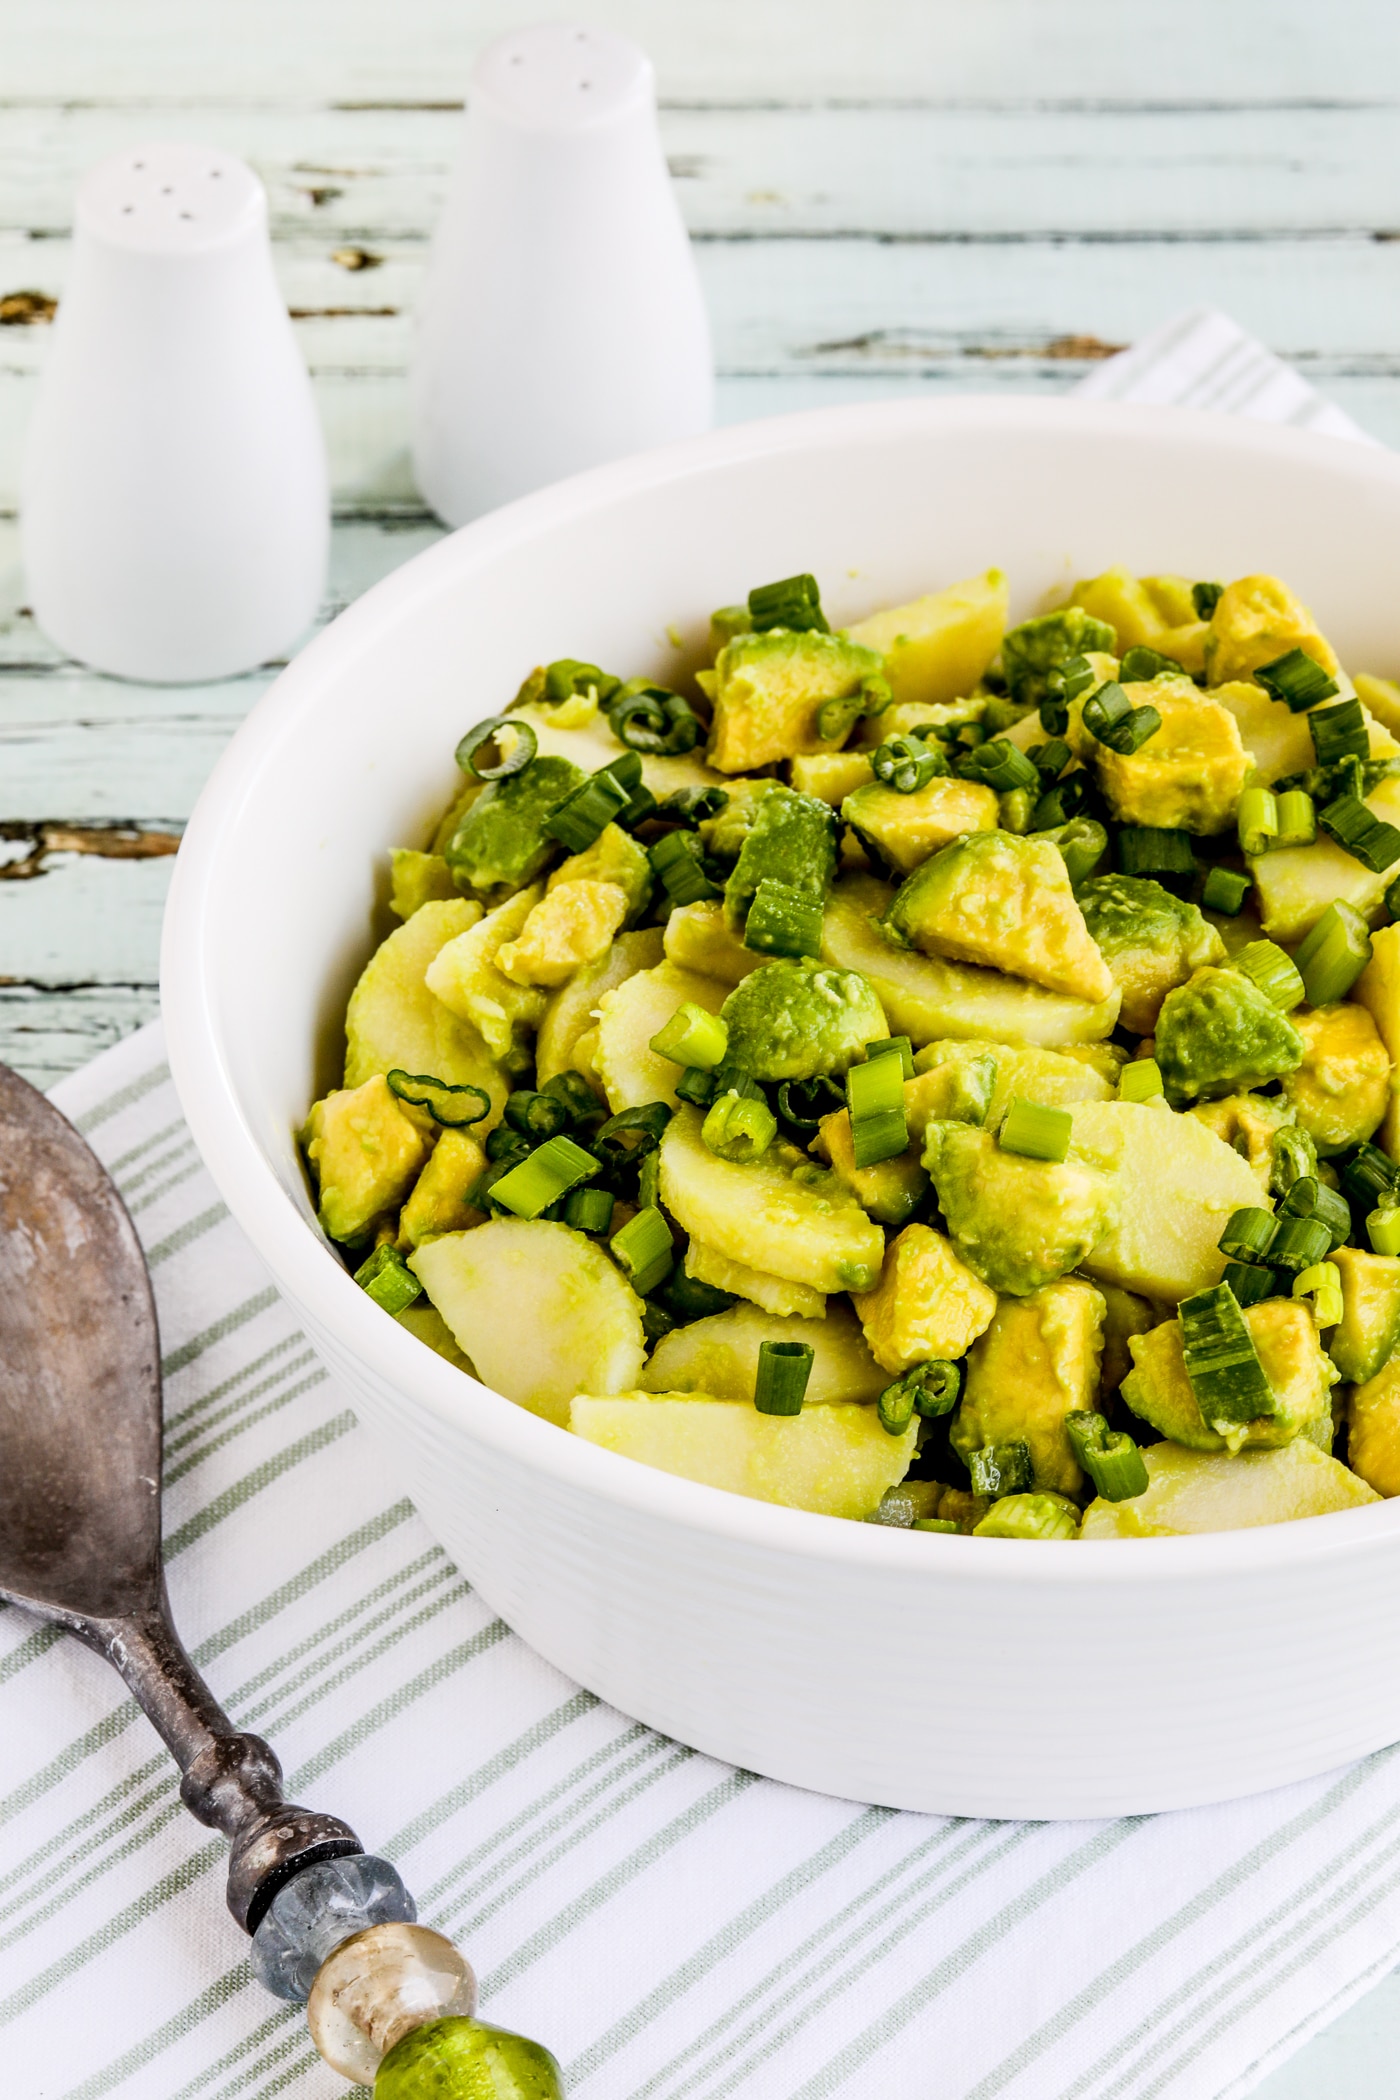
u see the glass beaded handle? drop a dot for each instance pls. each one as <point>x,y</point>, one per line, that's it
<point>389,2003</point>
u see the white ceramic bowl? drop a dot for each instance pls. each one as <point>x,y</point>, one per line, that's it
<point>974,1676</point>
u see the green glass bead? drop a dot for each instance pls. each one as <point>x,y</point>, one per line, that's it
<point>457,2059</point>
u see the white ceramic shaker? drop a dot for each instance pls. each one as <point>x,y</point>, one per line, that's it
<point>175,513</point>
<point>562,322</point>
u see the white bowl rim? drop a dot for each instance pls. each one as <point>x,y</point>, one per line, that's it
<point>313,1275</point>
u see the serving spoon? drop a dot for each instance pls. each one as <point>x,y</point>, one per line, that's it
<point>388,2001</point>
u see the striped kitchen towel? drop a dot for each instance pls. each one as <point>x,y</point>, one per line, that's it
<point>673,1929</point>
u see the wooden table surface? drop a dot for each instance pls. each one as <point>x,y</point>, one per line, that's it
<point>908,195</point>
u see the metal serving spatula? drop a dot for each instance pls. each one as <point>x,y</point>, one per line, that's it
<point>388,2001</point>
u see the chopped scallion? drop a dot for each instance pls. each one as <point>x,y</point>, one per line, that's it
<point>1273,971</point>
<point>1044,1516</point>
<point>1333,955</point>
<point>895,1407</point>
<point>1249,1234</point>
<point>934,1524</point>
<point>631,1134</point>
<point>690,806</point>
<point>1339,732</point>
<point>1383,1230</point>
<point>1067,681</point>
<point>784,920</point>
<point>793,602</point>
<point>907,763</point>
<point>1141,1080</point>
<point>657,1322</point>
<point>1297,819</point>
<point>1081,844</point>
<point>1000,765</point>
<point>1035,1131</point>
<point>1140,665</point>
<point>1323,1284</point>
<point>1109,1456</point>
<point>1250,1282</point>
<point>1370,1175</point>
<point>933,1388</point>
<point>1061,803</point>
<point>387,1278</point>
<point>644,1250</point>
<point>739,1129</point>
<point>1257,819</point>
<point>1297,679</point>
<point>1205,597</point>
<point>511,759</point>
<point>692,1037</point>
<point>1225,891</point>
<point>1222,1362</point>
<point>1014,811</point>
<point>567,677</point>
<point>584,815</point>
<point>646,717</point>
<point>1050,759</point>
<point>875,1099</point>
<point>1001,1469</point>
<point>577,1095</point>
<point>780,1382</point>
<point>537,1116</point>
<point>548,1173</point>
<point>1298,1243</point>
<point>588,1210</point>
<point>803,1102</point>
<point>696,1086</point>
<point>451,1106</point>
<point>894,1046</point>
<point>1307,1197</point>
<point>507,1145</point>
<point>1349,823</point>
<point>1165,856</point>
<point>676,858</point>
<point>1110,717</point>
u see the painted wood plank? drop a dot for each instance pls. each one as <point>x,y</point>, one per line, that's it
<point>85,921</point>
<point>359,177</point>
<point>727,50</point>
<point>45,1035</point>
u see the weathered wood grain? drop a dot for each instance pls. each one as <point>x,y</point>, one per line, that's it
<point>46,1035</point>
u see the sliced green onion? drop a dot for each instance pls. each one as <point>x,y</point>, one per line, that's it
<point>734,1077</point>
<point>677,859</point>
<point>783,920</point>
<point>894,1046</point>
<point>589,1210</point>
<point>577,1096</point>
<point>1333,955</point>
<point>513,761</point>
<point>1293,1153</point>
<point>803,1102</point>
<point>1369,1174</point>
<point>739,1129</point>
<point>1205,597</point>
<point>793,602</point>
<point>1001,1469</point>
<point>1067,681</point>
<point>895,1407</point>
<point>692,1037</point>
<point>1298,1243</point>
<point>1140,665</point>
<point>644,1250</point>
<point>1062,802</point>
<point>780,1382</point>
<point>1044,1516</point>
<point>507,1145</point>
<point>999,765</point>
<point>387,1278</point>
<point>1054,711</point>
<point>1257,819</point>
<point>875,1099</point>
<point>1323,1284</point>
<point>932,1390</point>
<point>1110,717</point>
<point>1273,971</point>
<point>1250,1282</point>
<point>690,806</point>
<point>1307,1197</point>
<point>657,1323</point>
<point>1383,1230</point>
<point>1225,891</point>
<point>1014,811</point>
<point>646,717</point>
<point>1035,1131</point>
<point>1164,856</point>
<point>451,1106</point>
<point>690,1299</point>
<point>1109,1456</point>
<point>549,1173</point>
<point>1339,732</point>
<point>631,1134</point>
<point>1081,844</point>
<point>934,1524</point>
<point>567,676</point>
<point>696,1086</point>
<point>1050,759</point>
<point>642,804</point>
<point>1297,818</point>
<point>649,1181</point>
<point>1141,1080</point>
<point>907,763</point>
<point>1297,679</point>
<point>537,1116</point>
<point>583,816</point>
<point>1249,1234</point>
<point>1351,825</point>
<point>1222,1362</point>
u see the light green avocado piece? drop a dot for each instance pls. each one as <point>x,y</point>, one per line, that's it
<point>790,839</point>
<point>614,856</point>
<point>794,1020</point>
<point>903,830</point>
<point>1037,1363</point>
<point>394,1020</point>
<point>769,690</point>
<point>1285,1336</point>
<point>1151,941</point>
<point>365,1154</point>
<point>1029,652</point>
<point>1017,1223</point>
<point>500,843</point>
<point>1004,903</point>
<point>1219,1034</point>
<point>1365,1337</point>
<point>417,878</point>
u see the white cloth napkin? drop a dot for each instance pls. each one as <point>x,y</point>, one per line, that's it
<point>673,1929</point>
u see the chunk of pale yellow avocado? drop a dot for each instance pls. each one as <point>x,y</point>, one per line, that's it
<point>912,718</point>
<point>772,1294</point>
<point>1048,1076</point>
<point>836,1461</point>
<point>927,1304</point>
<point>1037,1362</point>
<point>1341,1090</point>
<point>769,690</point>
<point>1005,903</point>
<point>465,976</point>
<point>1256,620</point>
<point>1378,990</point>
<point>426,1323</point>
<point>438,1201</point>
<point>629,1016</point>
<point>1147,612</point>
<point>906,829</point>
<point>540,1310</point>
<point>1248,1124</point>
<point>1194,1491</point>
<point>1373,1443</point>
<point>926,997</point>
<point>614,856</point>
<point>1018,1223</point>
<point>1366,1336</point>
<point>573,1009</point>
<point>892,1189</point>
<point>1285,1336</point>
<point>719,1356</point>
<point>1124,1315</point>
<point>570,926</point>
<point>1188,774</point>
<point>699,937</point>
<point>1296,884</point>
<point>394,1021</point>
<point>1177,1186</point>
<point>365,1154</point>
<point>937,647</point>
<point>830,775</point>
<point>1151,940</point>
<point>781,1213</point>
<point>418,878</point>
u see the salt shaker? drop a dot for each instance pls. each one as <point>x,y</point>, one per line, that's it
<point>175,514</point>
<point>562,322</point>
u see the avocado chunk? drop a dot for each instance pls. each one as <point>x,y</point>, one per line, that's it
<point>795,1020</point>
<point>500,841</point>
<point>1365,1338</point>
<point>440,1200</point>
<point>770,689</point>
<point>394,1021</point>
<point>927,1304</point>
<point>936,648</point>
<point>1341,1090</point>
<point>1194,1491</point>
<point>699,937</point>
<point>1005,903</point>
<point>1031,651</point>
<point>1219,1034</point>
<point>572,924</point>
<point>1038,1075</point>
<point>614,856</point>
<point>1188,774</point>
<point>465,976</point>
<point>1296,884</point>
<point>1256,620</point>
<point>1151,941</point>
<point>1249,1124</point>
<point>417,878</point>
<point>790,839</point>
<point>1378,990</point>
<point>1017,1223</point>
<point>365,1154</point>
<point>1285,1336</point>
<point>1373,1444</point>
<point>1037,1362</point>
<point>719,1356</point>
<point>830,775</point>
<point>892,1189</point>
<point>903,830</point>
<point>1146,612</point>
